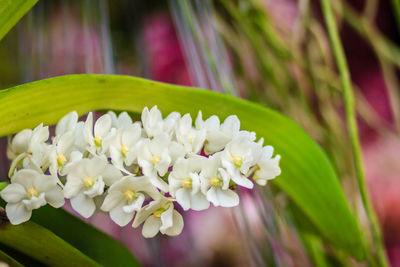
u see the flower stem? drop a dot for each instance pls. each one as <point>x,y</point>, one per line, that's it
<point>348,96</point>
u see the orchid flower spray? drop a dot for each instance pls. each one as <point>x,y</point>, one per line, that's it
<point>139,172</point>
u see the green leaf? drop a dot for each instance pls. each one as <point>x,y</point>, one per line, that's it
<point>9,260</point>
<point>42,245</point>
<point>94,243</point>
<point>307,175</point>
<point>2,185</point>
<point>11,11</point>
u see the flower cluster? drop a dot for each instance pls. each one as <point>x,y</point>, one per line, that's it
<point>135,170</point>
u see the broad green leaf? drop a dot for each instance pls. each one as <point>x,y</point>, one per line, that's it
<point>42,245</point>
<point>94,243</point>
<point>307,175</point>
<point>11,11</point>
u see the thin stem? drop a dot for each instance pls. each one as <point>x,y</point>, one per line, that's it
<point>348,96</point>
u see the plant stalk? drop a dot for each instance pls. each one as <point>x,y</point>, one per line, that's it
<point>348,96</point>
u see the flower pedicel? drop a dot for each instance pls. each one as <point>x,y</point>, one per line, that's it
<point>137,170</point>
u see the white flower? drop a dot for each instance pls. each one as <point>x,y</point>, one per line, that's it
<point>123,120</point>
<point>159,216</point>
<point>215,184</point>
<point>153,123</point>
<point>30,147</point>
<point>126,145</point>
<point>237,158</point>
<point>155,160</point>
<point>70,123</point>
<point>126,197</point>
<point>98,139</point>
<point>63,154</point>
<point>267,167</point>
<point>217,136</point>
<point>184,183</point>
<point>191,138</point>
<point>86,181</point>
<point>30,190</point>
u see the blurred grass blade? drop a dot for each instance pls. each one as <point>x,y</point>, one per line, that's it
<point>41,244</point>
<point>89,240</point>
<point>11,11</point>
<point>307,175</point>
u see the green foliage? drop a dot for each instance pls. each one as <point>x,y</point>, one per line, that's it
<point>89,240</point>
<point>307,175</point>
<point>42,245</point>
<point>11,11</point>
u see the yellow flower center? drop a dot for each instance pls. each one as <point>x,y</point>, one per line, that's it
<point>187,183</point>
<point>155,159</point>
<point>124,150</point>
<point>237,161</point>
<point>158,212</point>
<point>61,160</point>
<point>129,195</point>
<point>32,193</point>
<point>216,181</point>
<point>88,182</point>
<point>98,140</point>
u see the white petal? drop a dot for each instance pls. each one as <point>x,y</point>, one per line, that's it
<point>103,125</point>
<point>177,226</point>
<point>242,181</point>
<point>227,198</point>
<point>231,124</point>
<point>120,217</point>
<point>25,177</point>
<point>17,213</point>
<point>167,218</point>
<point>73,186</point>
<point>111,174</point>
<point>199,202</point>
<point>35,202</point>
<point>67,123</point>
<point>13,193</point>
<point>55,197</point>
<point>183,198</point>
<point>97,189</point>
<point>83,204</point>
<point>151,227</point>
<point>20,142</point>
<point>212,196</point>
<point>113,199</point>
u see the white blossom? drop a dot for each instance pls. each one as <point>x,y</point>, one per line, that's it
<point>155,160</point>
<point>126,145</point>
<point>218,135</point>
<point>238,156</point>
<point>215,184</point>
<point>159,216</point>
<point>99,137</point>
<point>30,190</point>
<point>86,181</point>
<point>126,197</point>
<point>63,154</point>
<point>192,139</point>
<point>267,167</point>
<point>184,183</point>
<point>29,147</point>
<point>154,124</point>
